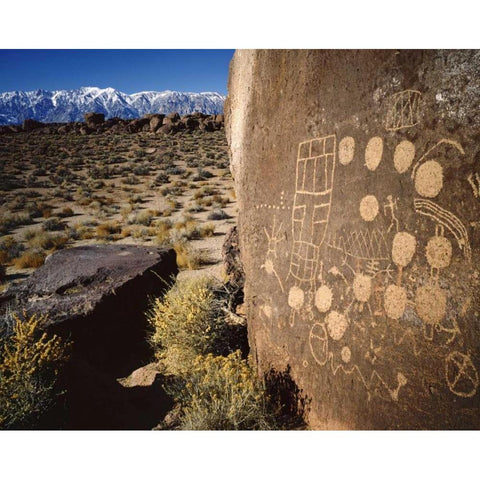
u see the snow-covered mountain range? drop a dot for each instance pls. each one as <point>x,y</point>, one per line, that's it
<point>70,105</point>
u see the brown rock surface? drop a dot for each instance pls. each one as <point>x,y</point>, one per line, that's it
<point>358,183</point>
<point>96,296</point>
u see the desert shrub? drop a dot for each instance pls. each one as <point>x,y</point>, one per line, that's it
<point>53,224</point>
<point>30,259</point>
<point>218,214</point>
<point>202,175</point>
<point>10,249</point>
<point>187,322</point>
<point>29,362</point>
<point>161,178</point>
<point>223,393</point>
<point>189,257</point>
<point>47,241</point>
<point>163,231</point>
<point>12,220</point>
<point>65,212</point>
<point>143,218</point>
<point>206,230</point>
<point>107,229</point>
<point>175,170</point>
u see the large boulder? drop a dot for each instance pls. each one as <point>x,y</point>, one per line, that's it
<point>96,296</point>
<point>358,182</point>
<point>156,121</point>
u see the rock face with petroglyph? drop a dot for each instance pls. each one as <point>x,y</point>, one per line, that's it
<point>358,181</point>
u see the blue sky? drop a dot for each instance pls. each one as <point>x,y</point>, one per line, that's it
<point>126,70</point>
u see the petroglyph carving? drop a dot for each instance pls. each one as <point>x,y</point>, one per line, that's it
<point>296,298</point>
<point>439,250</point>
<point>323,298</point>
<point>369,208</point>
<point>404,110</point>
<point>403,156</point>
<point>395,301</point>
<point>373,153</point>
<point>362,287</point>
<point>461,375</point>
<point>318,341</point>
<point>337,324</point>
<point>448,220</point>
<point>361,245</point>
<point>474,181</point>
<point>443,141</point>
<point>403,248</point>
<point>273,237</point>
<point>429,179</point>
<point>346,354</point>
<point>374,384</point>
<point>311,212</point>
<point>431,303</point>
<point>391,205</point>
<point>346,150</point>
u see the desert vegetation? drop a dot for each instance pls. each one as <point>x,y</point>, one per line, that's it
<point>201,348</point>
<point>29,363</point>
<point>63,190</point>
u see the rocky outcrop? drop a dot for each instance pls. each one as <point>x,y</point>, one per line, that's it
<point>93,119</point>
<point>97,296</point>
<point>30,125</point>
<point>358,183</point>
<point>95,123</point>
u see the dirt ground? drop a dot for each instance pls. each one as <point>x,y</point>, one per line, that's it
<point>61,191</point>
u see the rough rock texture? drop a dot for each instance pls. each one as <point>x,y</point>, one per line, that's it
<point>93,119</point>
<point>358,181</point>
<point>30,125</point>
<point>97,297</point>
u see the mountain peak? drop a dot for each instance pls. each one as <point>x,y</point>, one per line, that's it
<point>70,105</point>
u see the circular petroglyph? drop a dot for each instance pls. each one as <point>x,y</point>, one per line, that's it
<point>369,208</point>
<point>429,179</point>
<point>346,149</point>
<point>305,363</point>
<point>403,248</point>
<point>346,354</point>
<point>461,375</point>
<point>403,156</point>
<point>395,301</point>
<point>318,340</point>
<point>336,325</point>
<point>373,153</point>
<point>439,252</point>
<point>362,287</point>
<point>296,297</point>
<point>431,303</point>
<point>323,298</point>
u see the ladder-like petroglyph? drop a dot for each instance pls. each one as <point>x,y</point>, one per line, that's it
<point>310,215</point>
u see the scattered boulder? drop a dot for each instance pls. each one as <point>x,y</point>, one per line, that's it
<point>29,125</point>
<point>93,119</point>
<point>357,190</point>
<point>137,125</point>
<point>156,121</point>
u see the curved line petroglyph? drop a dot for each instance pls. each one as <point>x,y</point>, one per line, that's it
<point>448,220</point>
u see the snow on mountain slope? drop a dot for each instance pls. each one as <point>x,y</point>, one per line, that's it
<point>70,105</point>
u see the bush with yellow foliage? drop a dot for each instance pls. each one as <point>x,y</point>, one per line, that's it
<point>29,363</point>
